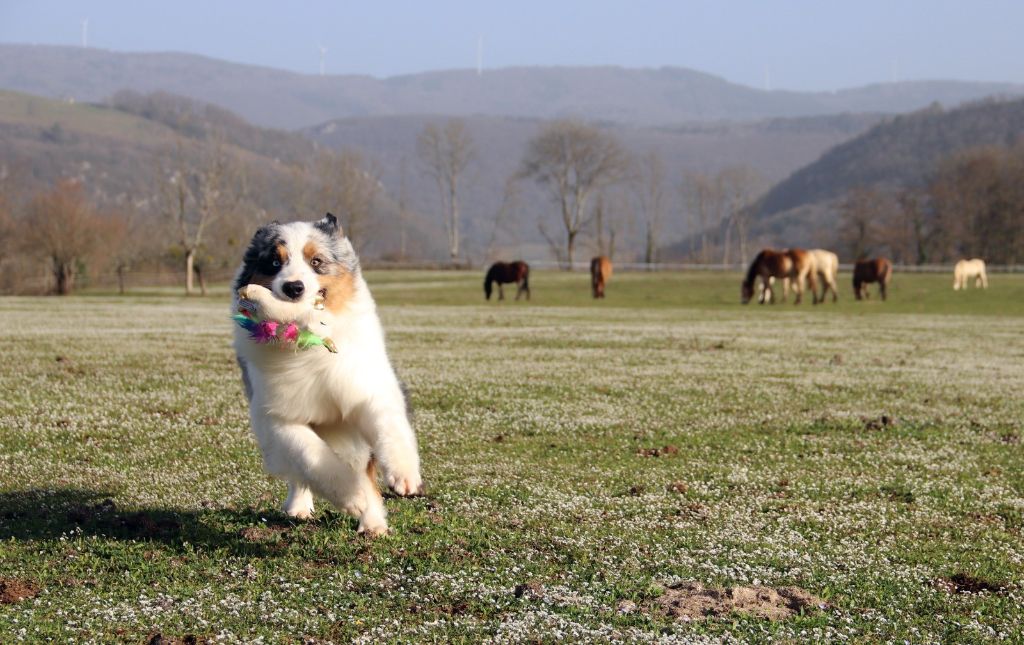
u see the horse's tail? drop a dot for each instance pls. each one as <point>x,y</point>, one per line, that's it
<point>487,284</point>
<point>526,277</point>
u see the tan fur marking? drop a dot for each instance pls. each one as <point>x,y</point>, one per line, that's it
<point>282,253</point>
<point>340,289</point>
<point>309,251</point>
<point>371,472</point>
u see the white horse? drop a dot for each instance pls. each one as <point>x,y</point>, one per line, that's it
<point>826,266</point>
<point>967,269</point>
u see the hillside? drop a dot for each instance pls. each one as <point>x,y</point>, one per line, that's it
<point>116,149</point>
<point>772,148</point>
<point>120,155</point>
<point>282,99</point>
<point>900,152</point>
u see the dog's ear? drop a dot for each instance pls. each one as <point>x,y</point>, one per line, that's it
<point>329,225</point>
<point>266,231</point>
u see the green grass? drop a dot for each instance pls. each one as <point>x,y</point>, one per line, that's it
<point>530,417</point>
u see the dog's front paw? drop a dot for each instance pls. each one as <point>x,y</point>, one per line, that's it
<point>372,523</point>
<point>254,292</point>
<point>406,485</point>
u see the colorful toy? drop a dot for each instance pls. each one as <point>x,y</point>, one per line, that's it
<point>278,332</point>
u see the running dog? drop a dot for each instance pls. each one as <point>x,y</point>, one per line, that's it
<point>324,420</point>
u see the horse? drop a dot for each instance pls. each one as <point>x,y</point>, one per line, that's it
<point>967,269</point>
<point>791,266</point>
<point>867,271</point>
<point>600,274</point>
<point>826,267</point>
<point>505,273</point>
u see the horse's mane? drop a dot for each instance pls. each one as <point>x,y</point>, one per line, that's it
<point>752,271</point>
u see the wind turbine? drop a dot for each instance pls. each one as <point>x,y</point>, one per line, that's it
<point>85,33</point>
<point>323,55</point>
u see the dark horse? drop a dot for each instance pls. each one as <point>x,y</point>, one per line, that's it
<point>866,271</point>
<point>505,273</point>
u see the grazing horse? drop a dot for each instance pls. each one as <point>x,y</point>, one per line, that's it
<point>792,266</point>
<point>967,269</point>
<point>867,271</point>
<point>600,274</point>
<point>505,273</point>
<point>826,267</point>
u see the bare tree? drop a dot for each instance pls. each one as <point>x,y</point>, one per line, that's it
<point>348,184</point>
<point>194,193</point>
<point>704,198</point>
<point>510,199</point>
<point>62,225</point>
<point>445,153</point>
<point>573,160</point>
<point>649,190</point>
<point>739,185</point>
<point>861,213</point>
<point>403,207</point>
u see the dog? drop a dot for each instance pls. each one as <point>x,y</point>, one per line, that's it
<point>324,420</point>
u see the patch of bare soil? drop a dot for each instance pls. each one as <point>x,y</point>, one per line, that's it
<point>657,452</point>
<point>879,423</point>
<point>694,601</point>
<point>260,533</point>
<point>964,583</point>
<point>160,639</point>
<point>13,590</point>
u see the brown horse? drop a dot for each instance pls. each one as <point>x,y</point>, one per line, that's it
<point>600,274</point>
<point>792,266</point>
<point>867,271</point>
<point>506,273</point>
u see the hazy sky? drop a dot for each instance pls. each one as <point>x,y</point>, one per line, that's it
<point>813,45</point>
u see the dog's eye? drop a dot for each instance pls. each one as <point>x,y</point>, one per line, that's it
<point>315,262</point>
<point>276,264</point>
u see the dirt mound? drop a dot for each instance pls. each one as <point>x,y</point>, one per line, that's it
<point>694,601</point>
<point>13,590</point>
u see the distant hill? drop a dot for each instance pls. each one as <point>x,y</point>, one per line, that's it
<point>115,148</point>
<point>117,153</point>
<point>282,99</point>
<point>901,151</point>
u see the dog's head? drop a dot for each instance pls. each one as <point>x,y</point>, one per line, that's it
<point>299,260</point>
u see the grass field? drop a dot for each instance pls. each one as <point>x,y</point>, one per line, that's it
<point>867,453</point>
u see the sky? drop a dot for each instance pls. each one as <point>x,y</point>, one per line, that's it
<point>782,44</point>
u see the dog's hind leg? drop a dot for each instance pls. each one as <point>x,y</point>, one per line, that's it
<point>299,503</point>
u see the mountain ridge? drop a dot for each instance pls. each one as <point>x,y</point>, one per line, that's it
<point>272,97</point>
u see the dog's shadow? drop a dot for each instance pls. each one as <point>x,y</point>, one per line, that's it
<point>48,514</point>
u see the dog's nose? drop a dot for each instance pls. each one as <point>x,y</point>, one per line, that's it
<point>293,289</point>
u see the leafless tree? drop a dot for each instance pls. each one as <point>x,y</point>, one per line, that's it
<point>861,214</point>
<point>648,186</point>
<point>510,202</point>
<point>62,225</point>
<point>194,193</point>
<point>573,160</point>
<point>350,185</point>
<point>445,153</point>
<point>739,185</point>
<point>704,197</point>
